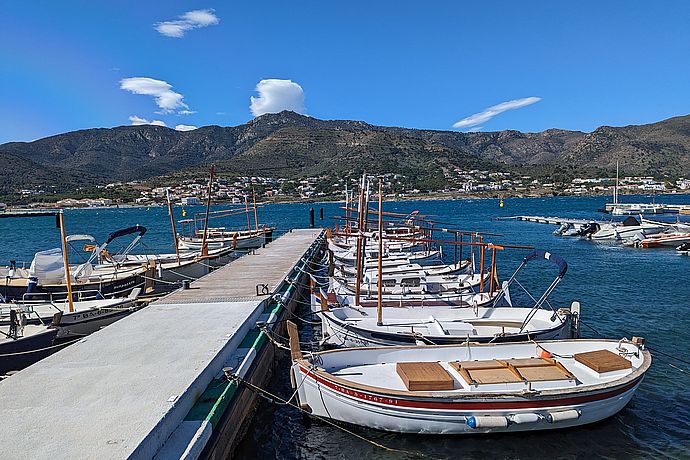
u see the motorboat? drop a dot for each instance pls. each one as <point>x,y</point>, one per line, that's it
<point>470,388</point>
<point>86,317</point>
<point>629,228</point>
<point>22,344</point>
<point>671,239</point>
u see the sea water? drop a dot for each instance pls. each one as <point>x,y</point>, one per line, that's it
<point>623,292</point>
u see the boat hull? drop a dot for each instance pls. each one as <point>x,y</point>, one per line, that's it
<point>82,291</point>
<point>25,351</point>
<point>343,334</point>
<point>417,415</point>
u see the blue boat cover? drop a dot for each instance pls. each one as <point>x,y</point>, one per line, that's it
<point>126,231</point>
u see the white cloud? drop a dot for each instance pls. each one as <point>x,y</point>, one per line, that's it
<point>185,128</point>
<point>488,113</point>
<point>277,95</point>
<point>167,99</point>
<point>188,21</point>
<point>136,121</point>
<point>476,129</point>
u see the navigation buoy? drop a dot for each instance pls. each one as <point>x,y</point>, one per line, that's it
<point>184,212</point>
<point>500,203</point>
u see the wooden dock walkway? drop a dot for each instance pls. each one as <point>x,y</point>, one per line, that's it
<point>138,388</point>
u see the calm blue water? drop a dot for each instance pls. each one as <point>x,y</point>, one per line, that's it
<point>623,292</point>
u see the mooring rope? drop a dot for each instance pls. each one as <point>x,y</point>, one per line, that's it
<point>274,398</point>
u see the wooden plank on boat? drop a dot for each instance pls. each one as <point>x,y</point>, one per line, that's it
<point>477,365</point>
<point>602,361</point>
<point>425,376</point>
<point>529,362</point>
<point>543,373</point>
<point>485,371</point>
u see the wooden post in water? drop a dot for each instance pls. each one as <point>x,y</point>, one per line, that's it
<point>65,261</point>
<point>379,310</point>
<point>204,242</point>
<point>172,225</point>
<point>256,218</point>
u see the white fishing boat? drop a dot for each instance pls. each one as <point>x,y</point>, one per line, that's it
<point>401,266</point>
<point>470,388</point>
<point>360,326</point>
<point>413,283</point>
<point>433,257</point>
<point>341,295</point>
<point>219,238</point>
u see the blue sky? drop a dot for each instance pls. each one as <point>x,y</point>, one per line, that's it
<point>570,65</point>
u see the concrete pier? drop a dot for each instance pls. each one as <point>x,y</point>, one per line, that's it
<point>151,385</point>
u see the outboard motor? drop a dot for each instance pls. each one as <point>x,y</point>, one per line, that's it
<point>685,247</point>
<point>588,229</point>
<point>561,229</point>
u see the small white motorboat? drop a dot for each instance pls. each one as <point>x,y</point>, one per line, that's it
<point>629,228</point>
<point>22,344</point>
<point>470,388</point>
<point>87,317</point>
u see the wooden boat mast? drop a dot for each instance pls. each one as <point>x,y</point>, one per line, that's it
<point>256,218</point>
<point>204,242</point>
<point>65,261</point>
<point>360,217</point>
<point>379,310</point>
<point>172,225</point>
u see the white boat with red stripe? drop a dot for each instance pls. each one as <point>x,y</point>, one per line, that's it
<point>471,388</point>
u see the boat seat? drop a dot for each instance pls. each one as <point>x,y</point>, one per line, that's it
<point>425,376</point>
<point>603,361</point>
<point>511,371</point>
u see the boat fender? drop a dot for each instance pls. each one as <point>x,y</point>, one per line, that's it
<point>562,416</point>
<point>486,421</point>
<point>544,354</point>
<point>524,418</point>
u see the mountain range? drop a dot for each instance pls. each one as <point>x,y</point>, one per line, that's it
<point>287,144</point>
